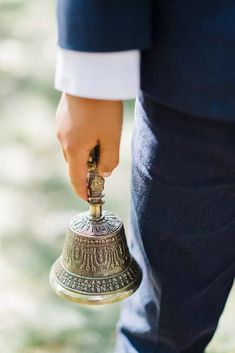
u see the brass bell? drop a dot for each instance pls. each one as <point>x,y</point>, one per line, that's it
<point>95,266</point>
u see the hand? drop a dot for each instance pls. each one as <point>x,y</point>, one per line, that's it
<point>81,124</point>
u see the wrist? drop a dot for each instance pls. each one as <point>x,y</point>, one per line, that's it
<point>94,100</point>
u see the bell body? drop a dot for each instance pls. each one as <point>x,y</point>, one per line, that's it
<point>95,266</point>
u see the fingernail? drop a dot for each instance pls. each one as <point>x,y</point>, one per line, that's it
<point>107,174</point>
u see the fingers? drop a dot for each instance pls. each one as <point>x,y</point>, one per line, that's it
<point>77,171</point>
<point>78,132</point>
<point>109,158</point>
<point>77,165</point>
<point>64,154</point>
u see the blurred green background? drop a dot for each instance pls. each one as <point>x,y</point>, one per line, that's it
<point>36,201</point>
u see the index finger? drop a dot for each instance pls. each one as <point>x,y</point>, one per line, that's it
<point>77,171</point>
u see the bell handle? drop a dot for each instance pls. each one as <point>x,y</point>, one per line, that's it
<point>95,184</point>
<point>94,158</point>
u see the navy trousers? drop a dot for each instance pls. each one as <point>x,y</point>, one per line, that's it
<point>182,230</point>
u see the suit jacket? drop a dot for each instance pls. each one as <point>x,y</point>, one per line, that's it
<point>187,46</point>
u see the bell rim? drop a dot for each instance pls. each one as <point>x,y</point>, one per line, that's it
<point>90,298</point>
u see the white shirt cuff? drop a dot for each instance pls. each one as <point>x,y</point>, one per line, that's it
<point>109,75</point>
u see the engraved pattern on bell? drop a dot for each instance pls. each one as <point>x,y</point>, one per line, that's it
<point>83,224</point>
<point>130,276</point>
<point>101,256</point>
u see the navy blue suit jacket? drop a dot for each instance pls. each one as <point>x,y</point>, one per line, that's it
<point>187,46</point>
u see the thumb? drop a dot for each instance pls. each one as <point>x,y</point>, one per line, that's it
<point>109,158</point>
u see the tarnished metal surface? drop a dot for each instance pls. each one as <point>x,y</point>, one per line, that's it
<point>95,266</point>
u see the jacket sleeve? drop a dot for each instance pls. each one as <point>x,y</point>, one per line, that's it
<point>104,25</point>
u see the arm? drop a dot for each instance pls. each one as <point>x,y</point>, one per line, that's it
<point>95,69</point>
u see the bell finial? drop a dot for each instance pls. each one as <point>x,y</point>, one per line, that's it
<point>95,184</point>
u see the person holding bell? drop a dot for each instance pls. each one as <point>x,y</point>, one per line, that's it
<point>177,58</point>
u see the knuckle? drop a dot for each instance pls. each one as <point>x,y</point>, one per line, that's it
<point>70,146</point>
<point>58,135</point>
<point>79,188</point>
<point>74,182</point>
